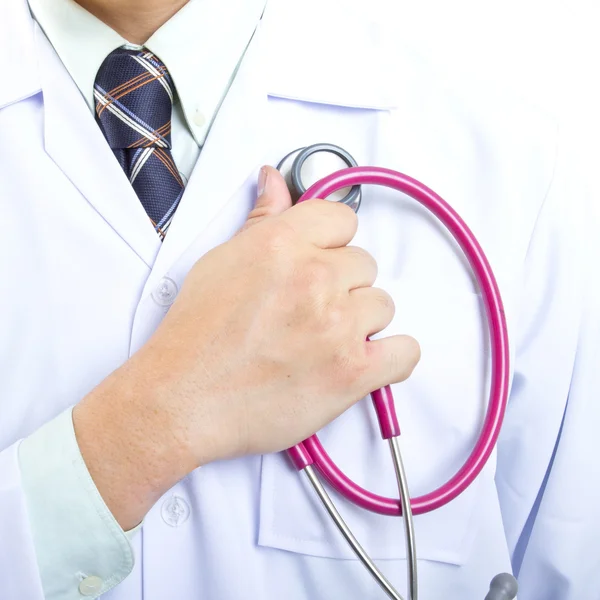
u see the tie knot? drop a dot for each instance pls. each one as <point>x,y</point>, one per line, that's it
<point>133,92</point>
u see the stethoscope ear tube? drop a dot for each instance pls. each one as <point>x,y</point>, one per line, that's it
<point>312,452</point>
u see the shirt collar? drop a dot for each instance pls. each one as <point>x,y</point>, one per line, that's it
<point>201,45</point>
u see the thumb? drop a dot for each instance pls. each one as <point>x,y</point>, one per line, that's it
<point>273,197</point>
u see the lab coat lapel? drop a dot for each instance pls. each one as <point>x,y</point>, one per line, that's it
<point>231,155</point>
<point>76,144</point>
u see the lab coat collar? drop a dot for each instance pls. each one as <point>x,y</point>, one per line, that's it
<point>351,64</point>
<point>348,66</point>
<point>19,71</point>
<point>281,61</point>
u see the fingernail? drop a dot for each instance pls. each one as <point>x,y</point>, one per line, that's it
<point>262,181</point>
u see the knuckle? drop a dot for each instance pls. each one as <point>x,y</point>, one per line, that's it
<point>331,210</point>
<point>258,213</point>
<point>363,262</point>
<point>370,260</point>
<point>333,318</point>
<point>315,207</point>
<point>315,276</point>
<point>345,365</point>
<point>277,236</point>
<point>384,300</point>
<point>363,255</point>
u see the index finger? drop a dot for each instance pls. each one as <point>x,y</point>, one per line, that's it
<point>325,223</point>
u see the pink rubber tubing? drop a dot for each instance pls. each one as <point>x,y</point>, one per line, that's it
<point>311,451</point>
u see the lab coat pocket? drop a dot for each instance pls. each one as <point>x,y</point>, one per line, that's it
<point>440,410</point>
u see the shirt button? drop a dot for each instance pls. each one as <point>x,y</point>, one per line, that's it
<point>199,118</point>
<point>91,586</point>
<point>165,293</point>
<point>175,511</point>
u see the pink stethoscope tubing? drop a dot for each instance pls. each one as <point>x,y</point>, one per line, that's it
<point>311,451</point>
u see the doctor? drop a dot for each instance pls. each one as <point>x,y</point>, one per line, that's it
<point>154,358</point>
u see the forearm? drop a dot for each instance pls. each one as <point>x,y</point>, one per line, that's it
<point>129,444</point>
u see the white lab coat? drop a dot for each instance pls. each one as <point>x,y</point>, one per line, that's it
<point>80,264</point>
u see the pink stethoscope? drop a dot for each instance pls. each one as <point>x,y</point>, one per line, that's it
<point>310,454</point>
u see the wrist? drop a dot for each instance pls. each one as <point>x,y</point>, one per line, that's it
<point>128,447</point>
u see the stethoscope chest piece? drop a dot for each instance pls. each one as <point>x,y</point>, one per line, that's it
<point>304,166</point>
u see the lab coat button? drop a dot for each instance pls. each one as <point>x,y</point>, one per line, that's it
<point>199,118</point>
<point>90,586</point>
<point>175,511</point>
<point>164,294</point>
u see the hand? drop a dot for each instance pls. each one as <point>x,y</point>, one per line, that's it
<point>266,343</point>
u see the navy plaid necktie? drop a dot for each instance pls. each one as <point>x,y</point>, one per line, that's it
<point>134,100</point>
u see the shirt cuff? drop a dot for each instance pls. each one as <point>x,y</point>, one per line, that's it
<point>82,552</point>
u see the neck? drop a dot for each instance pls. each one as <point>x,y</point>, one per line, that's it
<point>135,20</point>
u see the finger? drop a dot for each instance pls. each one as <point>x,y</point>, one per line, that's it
<point>374,309</point>
<point>326,224</point>
<point>394,359</point>
<point>355,267</point>
<point>273,197</point>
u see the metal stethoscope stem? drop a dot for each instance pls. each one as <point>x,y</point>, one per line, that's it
<point>364,558</point>
<point>409,527</point>
<point>409,530</point>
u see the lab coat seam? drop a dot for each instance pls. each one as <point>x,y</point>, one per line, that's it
<point>522,543</point>
<point>546,194</point>
<point>322,549</point>
<point>384,107</point>
<point>21,98</point>
<point>515,349</point>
